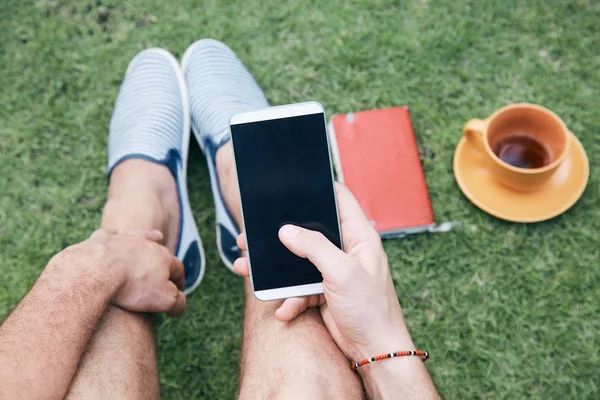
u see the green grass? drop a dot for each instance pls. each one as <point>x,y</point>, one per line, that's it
<point>506,310</point>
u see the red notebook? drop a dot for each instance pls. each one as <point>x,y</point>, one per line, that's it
<point>377,157</point>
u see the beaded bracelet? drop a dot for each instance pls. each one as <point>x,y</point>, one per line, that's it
<point>423,354</point>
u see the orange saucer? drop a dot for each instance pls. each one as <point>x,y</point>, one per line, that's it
<point>557,196</point>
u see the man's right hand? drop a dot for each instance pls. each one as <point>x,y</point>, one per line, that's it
<point>359,307</point>
<point>147,277</point>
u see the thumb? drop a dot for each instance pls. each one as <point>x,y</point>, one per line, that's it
<point>180,305</point>
<point>174,301</point>
<point>332,262</point>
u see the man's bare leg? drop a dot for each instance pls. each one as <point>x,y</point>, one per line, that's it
<point>290,360</point>
<point>120,361</point>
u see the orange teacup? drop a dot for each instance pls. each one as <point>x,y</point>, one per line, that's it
<point>523,144</point>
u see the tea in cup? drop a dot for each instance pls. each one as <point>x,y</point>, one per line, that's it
<point>523,144</point>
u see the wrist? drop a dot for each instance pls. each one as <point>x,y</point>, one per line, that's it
<point>390,345</point>
<point>388,377</point>
<point>87,264</point>
<point>388,341</point>
<point>384,378</point>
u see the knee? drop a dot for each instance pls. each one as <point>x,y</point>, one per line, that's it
<point>210,46</point>
<point>303,384</point>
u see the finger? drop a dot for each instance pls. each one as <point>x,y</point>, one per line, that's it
<point>316,300</point>
<point>352,217</point>
<point>177,272</point>
<point>328,259</point>
<point>241,241</point>
<point>349,207</point>
<point>240,266</point>
<point>180,303</point>
<point>98,233</point>
<point>154,235</point>
<point>291,308</point>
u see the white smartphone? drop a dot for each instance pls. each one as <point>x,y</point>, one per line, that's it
<point>284,172</point>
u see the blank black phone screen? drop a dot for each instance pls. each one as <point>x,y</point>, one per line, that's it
<point>284,174</point>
